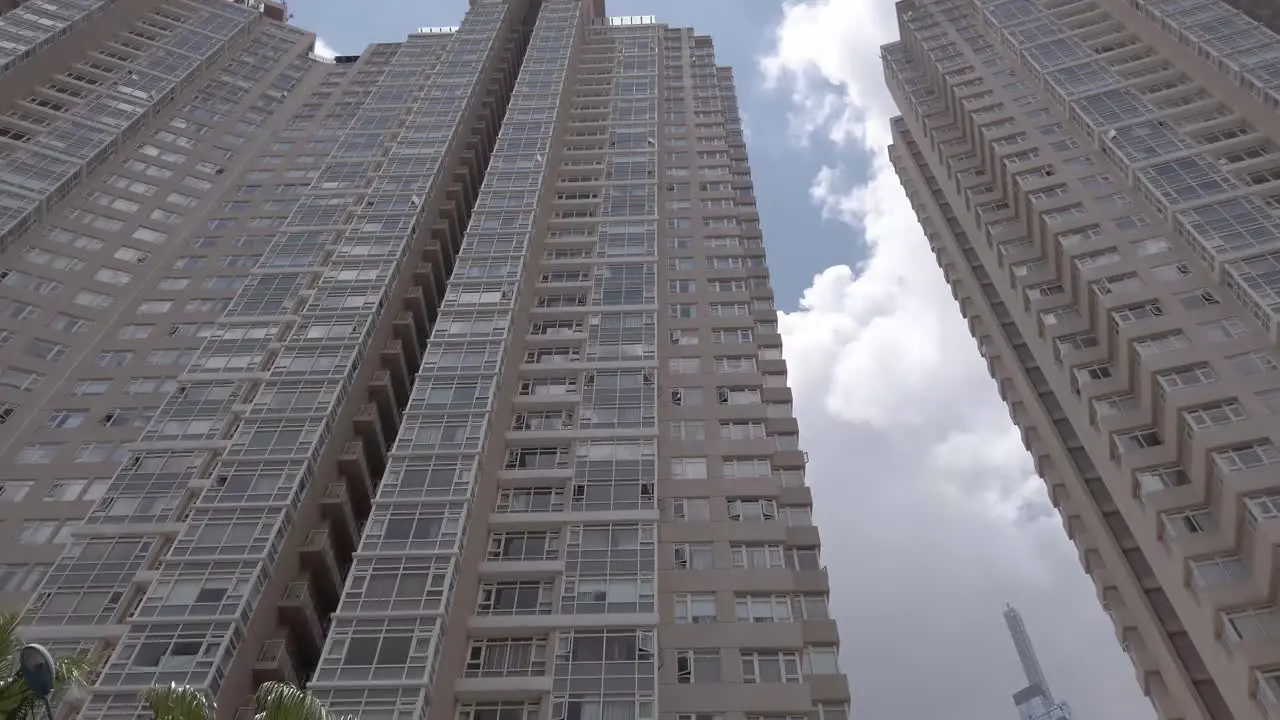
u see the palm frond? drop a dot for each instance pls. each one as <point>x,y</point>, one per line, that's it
<point>10,643</point>
<point>72,670</point>
<point>282,701</point>
<point>178,702</point>
<point>13,693</point>
<point>30,708</point>
<point>17,701</point>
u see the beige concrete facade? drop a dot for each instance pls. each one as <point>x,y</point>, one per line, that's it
<point>1100,182</point>
<point>265,414</point>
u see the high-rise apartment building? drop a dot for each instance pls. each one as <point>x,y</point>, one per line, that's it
<point>1035,701</point>
<point>445,379</point>
<point>1100,183</point>
<point>1027,657</point>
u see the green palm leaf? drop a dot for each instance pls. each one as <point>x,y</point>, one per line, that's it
<point>72,671</point>
<point>17,701</point>
<point>10,643</point>
<point>275,701</point>
<point>282,701</point>
<point>178,702</point>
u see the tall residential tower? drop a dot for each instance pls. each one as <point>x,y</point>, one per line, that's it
<point>1035,701</point>
<point>1100,183</point>
<point>1026,653</point>
<point>445,379</point>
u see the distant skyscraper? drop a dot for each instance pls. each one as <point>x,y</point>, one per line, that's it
<point>1099,182</point>
<point>1035,701</point>
<point>444,379</point>
<point>1026,653</point>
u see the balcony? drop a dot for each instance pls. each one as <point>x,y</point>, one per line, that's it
<point>431,280</point>
<point>829,688</point>
<point>298,611</point>
<point>768,336</point>
<point>499,568</point>
<point>413,324</point>
<point>764,314</point>
<point>382,394</point>
<point>438,249</point>
<point>274,664</point>
<point>779,397</point>
<point>355,468</point>
<point>410,353</point>
<point>317,555</point>
<point>506,669</point>
<point>1269,692</point>
<point>368,425</point>
<point>773,365</point>
<point>516,608</point>
<point>393,360</point>
<point>409,325</point>
<point>810,581</point>
<point>452,217</point>
<point>336,507</point>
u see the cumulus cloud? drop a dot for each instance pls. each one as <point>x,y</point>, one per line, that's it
<point>825,51</point>
<point>931,512</point>
<point>324,49</point>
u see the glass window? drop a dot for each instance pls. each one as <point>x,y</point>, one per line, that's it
<point>38,453</point>
<point>689,468</point>
<point>12,491</point>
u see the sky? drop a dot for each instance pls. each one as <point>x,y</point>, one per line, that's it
<point>931,515</point>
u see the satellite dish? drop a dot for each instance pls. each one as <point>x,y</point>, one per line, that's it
<point>35,667</point>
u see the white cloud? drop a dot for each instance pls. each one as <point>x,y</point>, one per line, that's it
<point>826,50</point>
<point>324,49</point>
<point>932,515</point>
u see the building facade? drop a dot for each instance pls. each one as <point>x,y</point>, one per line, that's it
<point>1100,183</point>
<point>445,379</point>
